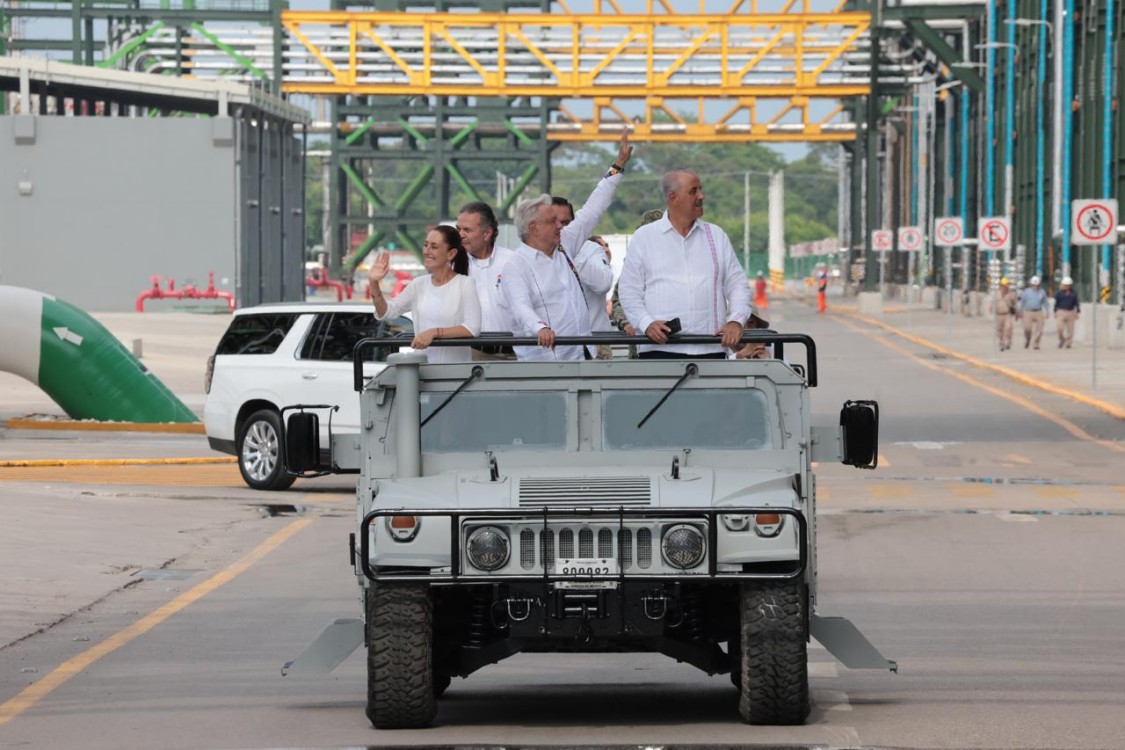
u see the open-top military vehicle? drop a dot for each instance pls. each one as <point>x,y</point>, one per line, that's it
<point>610,505</point>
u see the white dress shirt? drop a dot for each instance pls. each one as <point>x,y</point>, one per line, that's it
<point>694,278</point>
<point>577,232</point>
<point>596,276</point>
<point>452,304</point>
<point>486,274</point>
<point>543,292</point>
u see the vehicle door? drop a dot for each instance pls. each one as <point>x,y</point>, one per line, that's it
<point>325,363</point>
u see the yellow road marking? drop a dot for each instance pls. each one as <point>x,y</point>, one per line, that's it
<point>1067,425</point>
<point>1018,459</point>
<point>883,461</point>
<point>1055,492</point>
<point>1043,385</point>
<point>972,490</point>
<point>40,462</point>
<point>43,687</point>
<point>189,428</point>
<point>191,475</point>
<point>890,491</point>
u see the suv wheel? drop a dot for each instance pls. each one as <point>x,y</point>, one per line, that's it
<point>401,692</point>
<point>259,452</point>
<point>774,656</point>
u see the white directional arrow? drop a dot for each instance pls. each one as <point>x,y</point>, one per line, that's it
<point>66,334</point>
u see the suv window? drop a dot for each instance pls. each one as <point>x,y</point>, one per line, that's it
<point>333,336</point>
<point>717,418</point>
<point>256,334</point>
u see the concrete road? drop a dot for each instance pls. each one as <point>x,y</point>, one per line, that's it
<point>983,555</point>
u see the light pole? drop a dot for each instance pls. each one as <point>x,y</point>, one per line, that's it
<point>1045,28</point>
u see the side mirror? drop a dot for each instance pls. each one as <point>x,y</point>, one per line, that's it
<point>860,420</point>
<point>302,442</point>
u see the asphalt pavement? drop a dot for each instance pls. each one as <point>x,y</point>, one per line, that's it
<point>1030,439</point>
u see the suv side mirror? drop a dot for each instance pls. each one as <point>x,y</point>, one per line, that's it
<point>302,442</point>
<point>860,420</point>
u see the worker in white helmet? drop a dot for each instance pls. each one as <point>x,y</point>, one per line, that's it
<point>1033,310</point>
<point>1066,311</point>
<point>1004,306</point>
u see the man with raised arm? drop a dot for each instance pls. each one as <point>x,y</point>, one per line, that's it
<point>683,268</point>
<point>541,284</point>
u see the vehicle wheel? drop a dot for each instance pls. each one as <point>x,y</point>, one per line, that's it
<point>259,452</point>
<point>775,676</point>
<point>400,675</point>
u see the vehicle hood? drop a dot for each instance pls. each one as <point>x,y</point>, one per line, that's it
<point>634,487</point>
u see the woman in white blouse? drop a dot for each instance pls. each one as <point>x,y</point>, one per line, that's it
<point>444,301</point>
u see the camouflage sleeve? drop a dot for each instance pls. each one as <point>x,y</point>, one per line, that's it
<point>617,316</point>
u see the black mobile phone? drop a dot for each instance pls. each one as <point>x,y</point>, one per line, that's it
<point>673,326</point>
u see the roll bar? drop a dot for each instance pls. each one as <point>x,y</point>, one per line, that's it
<point>610,338</point>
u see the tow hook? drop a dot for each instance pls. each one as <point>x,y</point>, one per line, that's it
<point>655,605</point>
<point>519,609</point>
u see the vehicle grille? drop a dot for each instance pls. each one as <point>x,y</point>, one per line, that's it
<point>633,551</point>
<point>610,492</point>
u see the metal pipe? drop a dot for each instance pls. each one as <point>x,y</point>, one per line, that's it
<point>963,202</point>
<point>1010,114</point>
<point>1056,126</point>
<point>1067,34</point>
<point>1108,99</point>
<point>989,108</point>
<point>408,411</point>
<point>1040,84</point>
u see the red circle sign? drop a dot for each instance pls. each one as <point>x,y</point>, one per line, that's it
<point>1093,222</point>
<point>949,231</point>
<point>994,235</point>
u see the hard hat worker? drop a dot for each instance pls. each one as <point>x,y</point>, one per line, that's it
<point>1066,312</point>
<point>1004,306</point>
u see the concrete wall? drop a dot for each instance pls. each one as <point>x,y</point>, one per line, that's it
<point>91,208</point>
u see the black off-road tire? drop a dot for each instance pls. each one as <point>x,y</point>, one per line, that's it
<point>261,452</point>
<point>775,675</point>
<point>400,672</point>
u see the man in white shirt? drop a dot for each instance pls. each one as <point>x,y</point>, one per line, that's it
<point>594,271</point>
<point>681,267</point>
<point>478,228</point>
<point>541,285</point>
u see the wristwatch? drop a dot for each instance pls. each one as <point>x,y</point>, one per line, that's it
<point>614,169</point>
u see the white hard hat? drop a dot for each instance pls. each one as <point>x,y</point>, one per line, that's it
<point>1067,281</point>
<point>1034,281</point>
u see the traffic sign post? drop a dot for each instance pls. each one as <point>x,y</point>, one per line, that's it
<point>1095,222</point>
<point>995,233</point>
<point>949,231</point>
<point>909,238</point>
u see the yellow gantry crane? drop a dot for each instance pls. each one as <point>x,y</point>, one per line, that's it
<point>778,76</point>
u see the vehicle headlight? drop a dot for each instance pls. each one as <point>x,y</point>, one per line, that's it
<point>683,546</point>
<point>488,548</point>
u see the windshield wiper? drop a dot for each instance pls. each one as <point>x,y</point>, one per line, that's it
<point>691,369</point>
<point>478,371</point>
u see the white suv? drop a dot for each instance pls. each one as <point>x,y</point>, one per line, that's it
<point>278,355</point>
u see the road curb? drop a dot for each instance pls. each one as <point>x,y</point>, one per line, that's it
<point>187,428</point>
<point>46,462</point>
<point>1043,385</point>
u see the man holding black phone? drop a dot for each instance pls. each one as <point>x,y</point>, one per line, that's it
<point>681,274</point>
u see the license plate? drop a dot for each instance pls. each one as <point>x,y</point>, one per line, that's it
<point>586,566</point>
